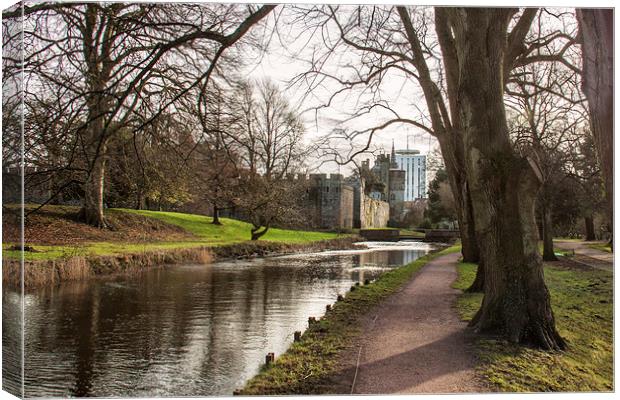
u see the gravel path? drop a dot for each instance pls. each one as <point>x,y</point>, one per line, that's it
<point>415,342</point>
<point>594,258</point>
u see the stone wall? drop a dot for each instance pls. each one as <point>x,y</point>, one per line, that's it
<point>330,202</point>
<point>374,213</point>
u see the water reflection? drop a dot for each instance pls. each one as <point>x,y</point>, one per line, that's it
<point>180,330</point>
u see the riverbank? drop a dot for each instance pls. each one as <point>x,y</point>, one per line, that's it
<point>582,301</point>
<point>59,248</point>
<point>49,272</point>
<point>310,365</point>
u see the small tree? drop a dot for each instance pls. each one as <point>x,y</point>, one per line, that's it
<point>441,204</point>
<point>266,202</point>
<point>267,141</point>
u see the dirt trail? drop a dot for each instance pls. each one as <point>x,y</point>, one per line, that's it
<point>415,342</point>
<point>592,257</point>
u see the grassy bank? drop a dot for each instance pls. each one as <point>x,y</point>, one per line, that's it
<point>308,365</point>
<point>61,248</point>
<point>54,233</point>
<point>582,301</point>
<point>47,272</point>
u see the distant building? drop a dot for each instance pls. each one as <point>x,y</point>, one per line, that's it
<point>392,187</point>
<point>330,202</point>
<point>414,165</point>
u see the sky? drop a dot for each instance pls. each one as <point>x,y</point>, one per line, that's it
<point>285,58</point>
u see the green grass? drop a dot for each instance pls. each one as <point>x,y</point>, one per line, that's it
<point>231,231</point>
<point>206,234</point>
<point>307,365</point>
<point>558,251</point>
<point>582,302</point>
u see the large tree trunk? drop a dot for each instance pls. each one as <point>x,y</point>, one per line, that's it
<point>92,203</point>
<point>547,223</point>
<point>455,168</point>
<point>478,285</point>
<point>589,223</point>
<point>597,29</point>
<point>503,186</point>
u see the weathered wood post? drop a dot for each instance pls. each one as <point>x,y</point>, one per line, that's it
<point>269,358</point>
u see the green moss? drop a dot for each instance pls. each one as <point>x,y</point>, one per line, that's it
<point>306,366</point>
<point>582,302</point>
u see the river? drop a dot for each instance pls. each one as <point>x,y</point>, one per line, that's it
<point>190,330</point>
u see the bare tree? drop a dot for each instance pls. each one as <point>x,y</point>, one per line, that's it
<point>106,55</point>
<point>480,50</point>
<point>268,143</point>
<point>546,114</point>
<point>596,28</point>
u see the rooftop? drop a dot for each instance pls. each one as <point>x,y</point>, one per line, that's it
<point>407,151</point>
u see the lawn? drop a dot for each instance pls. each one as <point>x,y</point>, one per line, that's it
<point>231,231</point>
<point>197,228</point>
<point>582,302</point>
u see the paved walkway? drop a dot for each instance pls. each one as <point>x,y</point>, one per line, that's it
<point>415,342</point>
<point>594,258</point>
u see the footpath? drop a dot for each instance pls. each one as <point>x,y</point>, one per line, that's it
<point>414,342</point>
<point>584,254</point>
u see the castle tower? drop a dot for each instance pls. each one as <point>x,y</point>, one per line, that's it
<point>396,188</point>
<point>393,163</point>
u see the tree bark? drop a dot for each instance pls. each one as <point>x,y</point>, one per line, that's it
<point>596,27</point>
<point>547,223</point>
<point>503,187</point>
<point>478,285</point>
<point>92,203</point>
<point>589,223</point>
<point>455,169</point>
<point>216,215</point>
<point>257,232</point>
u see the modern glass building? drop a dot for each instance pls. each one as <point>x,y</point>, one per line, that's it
<point>414,165</point>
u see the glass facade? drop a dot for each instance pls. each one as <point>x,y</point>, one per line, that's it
<point>414,165</point>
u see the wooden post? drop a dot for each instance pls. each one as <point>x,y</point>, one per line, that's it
<point>297,336</point>
<point>269,358</point>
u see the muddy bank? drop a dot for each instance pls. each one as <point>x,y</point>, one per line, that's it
<point>50,272</point>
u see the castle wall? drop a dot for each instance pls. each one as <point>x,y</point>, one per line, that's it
<point>330,202</point>
<point>397,194</point>
<point>375,213</point>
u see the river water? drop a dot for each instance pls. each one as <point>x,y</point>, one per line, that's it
<point>191,330</point>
